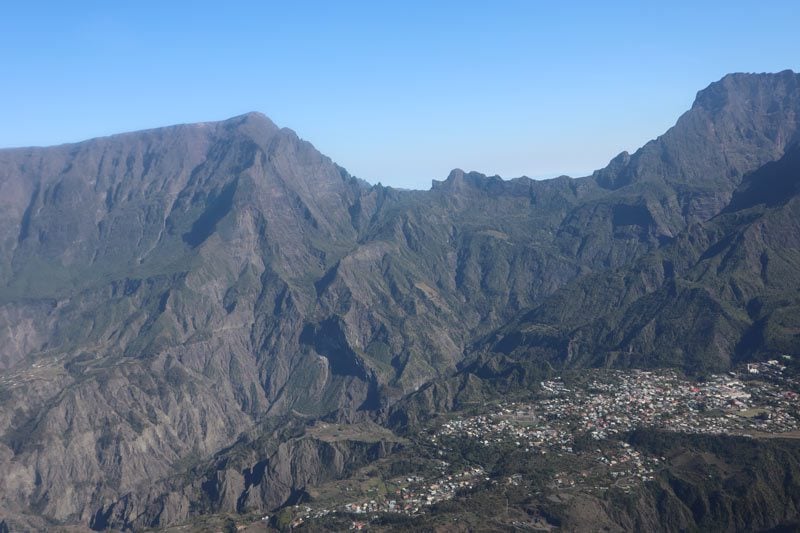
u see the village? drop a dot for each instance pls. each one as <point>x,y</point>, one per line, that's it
<point>602,406</point>
<point>758,400</point>
<point>612,402</point>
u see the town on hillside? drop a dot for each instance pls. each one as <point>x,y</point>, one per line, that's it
<point>578,424</point>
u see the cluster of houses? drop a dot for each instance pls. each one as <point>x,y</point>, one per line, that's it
<point>417,493</point>
<point>614,402</point>
<point>618,465</point>
<point>413,494</point>
<point>608,404</point>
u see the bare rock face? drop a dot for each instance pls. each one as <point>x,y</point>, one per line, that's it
<point>163,293</point>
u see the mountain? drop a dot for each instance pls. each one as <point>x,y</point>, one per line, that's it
<point>722,292</point>
<point>172,296</point>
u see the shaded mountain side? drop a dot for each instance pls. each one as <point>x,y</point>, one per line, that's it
<point>435,268</point>
<point>723,483</point>
<point>713,483</point>
<point>164,292</point>
<point>772,185</point>
<point>722,292</point>
<point>707,483</point>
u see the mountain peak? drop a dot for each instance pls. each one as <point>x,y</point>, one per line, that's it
<point>455,175</point>
<point>251,116</point>
<point>735,125</point>
<point>746,89</point>
<point>459,181</point>
<point>255,124</point>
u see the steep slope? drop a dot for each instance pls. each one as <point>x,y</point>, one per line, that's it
<point>164,331</point>
<point>434,267</point>
<point>723,291</point>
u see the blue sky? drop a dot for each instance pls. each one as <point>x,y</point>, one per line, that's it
<point>396,92</point>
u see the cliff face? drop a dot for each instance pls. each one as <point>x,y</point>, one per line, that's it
<point>164,292</point>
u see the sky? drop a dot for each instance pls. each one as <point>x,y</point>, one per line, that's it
<point>396,92</point>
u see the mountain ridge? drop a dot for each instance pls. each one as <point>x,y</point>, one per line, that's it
<point>164,293</point>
